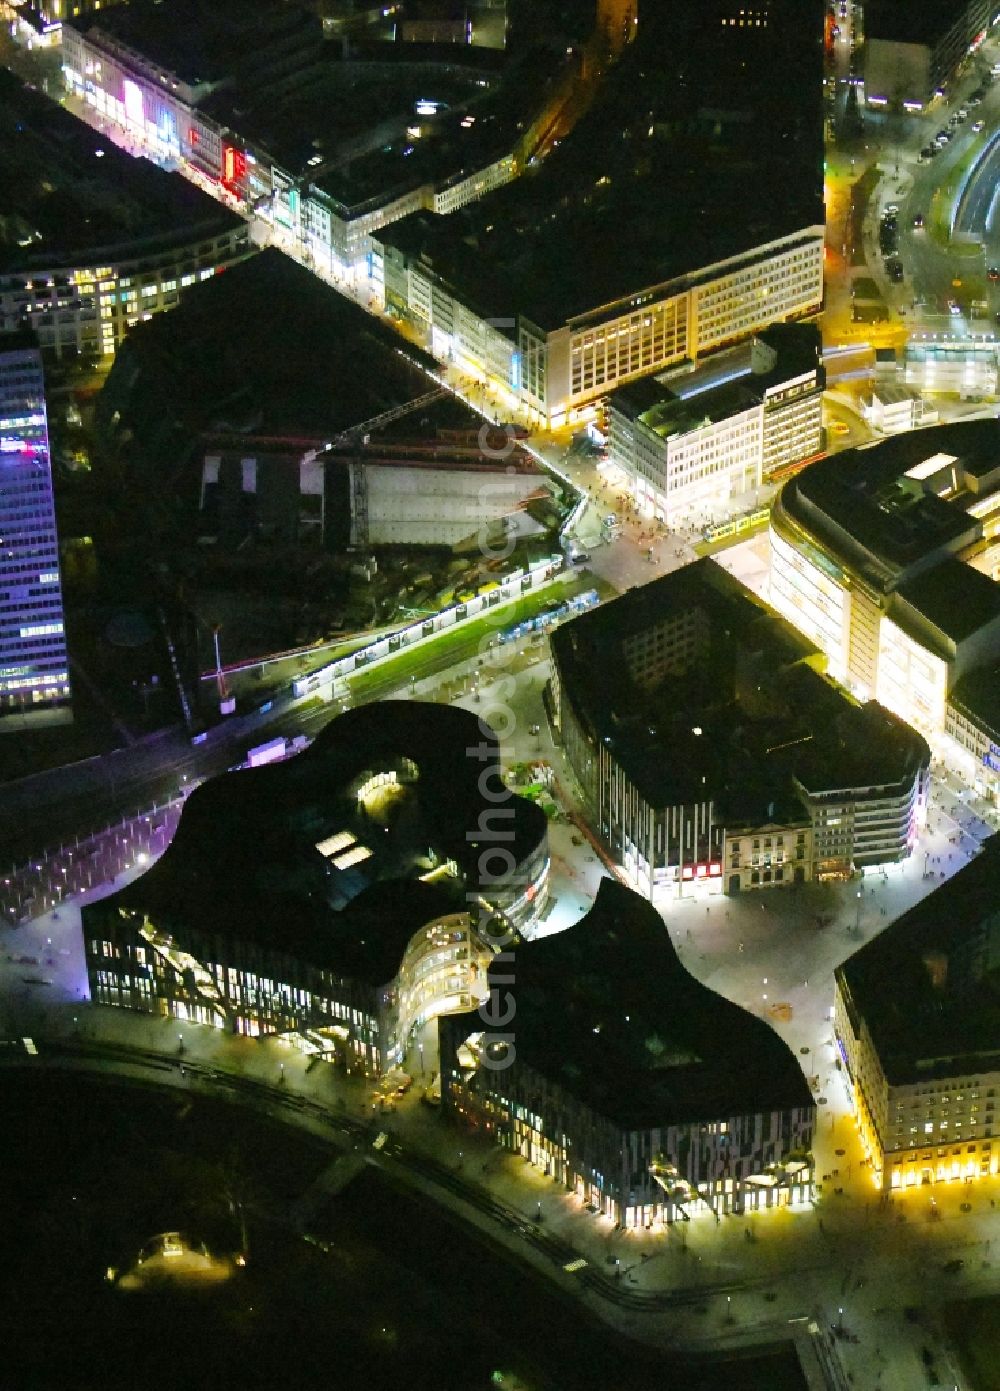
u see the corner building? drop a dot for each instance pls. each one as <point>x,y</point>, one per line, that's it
<point>341,899</point>
<point>885,557</point>
<point>916,1026</point>
<point>713,752</point>
<point>113,241</point>
<point>689,442</point>
<point>624,1080</point>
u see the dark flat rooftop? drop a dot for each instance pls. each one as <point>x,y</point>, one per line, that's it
<point>354,118</point>
<point>245,861</point>
<point>753,713</point>
<point>279,352</point>
<point>978,693</point>
<point>667,414</point>
<point>607,1010</point>
<point>203,41</point>
<point>54,183</point>
<point>856,504</point>
<point>689,154</point>
<point>922,1030</point>
<point>911,21</point>
<point>725,381</point>
<point>956,598</point>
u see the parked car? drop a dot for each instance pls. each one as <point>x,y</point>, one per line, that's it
<point>993,273</point>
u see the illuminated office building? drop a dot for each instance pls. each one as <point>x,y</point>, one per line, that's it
<point>34,671</point>
<point>619,255</point>
<point>689,442</point>
<point>714,753</point>
<point>422,220</point>
<point>911,50</point>
<point>885,556</point>
<point>342,898</point>
<point>108,243</point>
<point>629,1083</point>
<point>915,1022</point>
<point>325,149</point>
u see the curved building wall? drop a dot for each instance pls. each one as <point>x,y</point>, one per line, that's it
<point>243,988</point>
<point>637,1177</point>
<point>672,849</point>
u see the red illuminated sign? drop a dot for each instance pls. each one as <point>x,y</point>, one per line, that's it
<point>234,164</point>
<point>701,871</point>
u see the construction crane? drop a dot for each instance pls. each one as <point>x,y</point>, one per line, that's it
<point>362,433</point>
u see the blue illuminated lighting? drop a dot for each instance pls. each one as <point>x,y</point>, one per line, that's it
<point>709,385</point>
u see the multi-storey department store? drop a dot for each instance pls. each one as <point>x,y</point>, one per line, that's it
<point>438,241</point>
<point>713,752</point>
<point>623,253</point>
<point>689,442</point>
<point>627,1081</point>
<point>915,1021</point>
<point>114,241</point>
<point>34,669</point>
<point>342,899</point>
<point>886,557</point>
<point>324,149</point>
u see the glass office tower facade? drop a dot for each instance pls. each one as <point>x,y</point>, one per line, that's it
<point>34,674</point>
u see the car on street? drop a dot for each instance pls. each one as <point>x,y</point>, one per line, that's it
<point>977,126</point>
<point>894,270</point>
<point>954,307</point>
<point>918,221</point>
<point>952,1267</point>
<point>993,274</point>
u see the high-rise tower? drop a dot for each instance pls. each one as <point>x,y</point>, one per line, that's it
<point>34,674</point>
